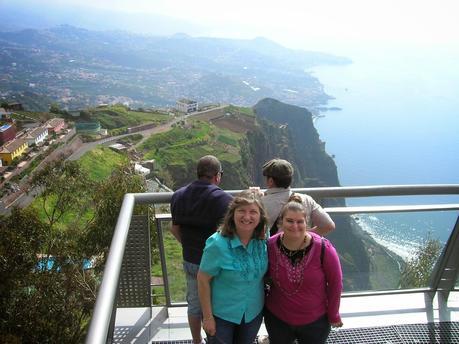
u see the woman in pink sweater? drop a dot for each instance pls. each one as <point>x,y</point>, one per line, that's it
<point>306,281</point>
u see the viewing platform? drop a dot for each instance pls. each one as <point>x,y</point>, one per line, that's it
<point>133,307</point>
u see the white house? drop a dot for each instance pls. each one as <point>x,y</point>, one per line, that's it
<point>36,136</point>
<point>186,105</point>
<point>141,170</point>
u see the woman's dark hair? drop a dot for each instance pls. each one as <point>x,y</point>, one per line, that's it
<point>246,197</point>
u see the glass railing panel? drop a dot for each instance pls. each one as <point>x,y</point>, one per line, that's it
<point>173,261</point>
<point>390,251</point>
<point>378,251</point>
<point>402,200</point>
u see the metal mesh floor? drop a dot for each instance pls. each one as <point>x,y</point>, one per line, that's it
<point>441,333</point>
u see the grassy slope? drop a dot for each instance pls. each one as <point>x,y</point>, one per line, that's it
<point>98,163</point>
<point>118,116</point>
<point>177,282</point>
<point>183,144</point>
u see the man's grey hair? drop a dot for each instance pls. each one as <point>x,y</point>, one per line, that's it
<point>208,166</point>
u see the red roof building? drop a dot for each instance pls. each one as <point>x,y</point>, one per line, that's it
<point>55,125</point>
<point>7,133</point>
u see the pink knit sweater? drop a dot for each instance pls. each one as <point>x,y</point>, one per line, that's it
<point>299,299</point>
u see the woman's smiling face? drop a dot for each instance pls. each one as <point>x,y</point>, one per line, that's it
<point>246,218</point>
<point>294,224</point>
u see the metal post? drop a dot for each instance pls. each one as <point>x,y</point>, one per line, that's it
<point>162,254</point>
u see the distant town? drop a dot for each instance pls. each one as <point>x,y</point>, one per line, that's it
<point>28,143</point>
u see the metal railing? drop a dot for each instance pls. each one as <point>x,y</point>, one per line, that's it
<point>104,307</point>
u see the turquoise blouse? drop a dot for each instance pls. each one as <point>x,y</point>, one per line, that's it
<point>237,283</point>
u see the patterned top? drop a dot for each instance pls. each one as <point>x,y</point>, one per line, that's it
<point>237,283</point>
<point>302,293</point>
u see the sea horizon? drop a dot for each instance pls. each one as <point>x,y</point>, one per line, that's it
<point>397,125</point>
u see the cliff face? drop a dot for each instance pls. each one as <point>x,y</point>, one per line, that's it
<point>287,132</point>
<point>313,166</point>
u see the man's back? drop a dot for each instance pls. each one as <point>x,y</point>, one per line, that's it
<point>198,209</point>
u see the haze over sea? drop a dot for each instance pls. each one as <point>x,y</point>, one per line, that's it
<point>398,125</point>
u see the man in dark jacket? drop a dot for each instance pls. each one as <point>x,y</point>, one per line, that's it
<point>197,210</point>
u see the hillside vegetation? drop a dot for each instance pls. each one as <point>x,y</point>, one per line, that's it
<point>100,162</point>
<point>121,117</point>
<point>97,164</point>
<point>177,150</point>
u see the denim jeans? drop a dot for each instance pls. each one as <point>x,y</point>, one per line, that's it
<point>282,333</point>
<point>231,333</point>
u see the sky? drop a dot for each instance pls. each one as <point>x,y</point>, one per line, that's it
<point>325,25</point>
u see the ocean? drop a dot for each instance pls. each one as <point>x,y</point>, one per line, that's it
<point>398,124</point>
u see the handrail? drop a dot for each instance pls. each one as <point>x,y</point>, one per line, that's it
<point>339,191</point>
<point>100,321</point>
<point>381,190</point>
<point>371,209</point>
<point>391,208</point>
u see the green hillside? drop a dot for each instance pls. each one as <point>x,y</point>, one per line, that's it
<point>177,151</point>
<point>100,162</point>
<point>119,116</point>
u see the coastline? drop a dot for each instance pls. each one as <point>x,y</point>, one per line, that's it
<point>403,250</point>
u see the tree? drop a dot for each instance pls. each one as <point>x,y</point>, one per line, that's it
<point>86,115</point>
<point>39,305</point>
<point>22,235</point>
<point>108,198</point>
<point>54,108</point>
<point>418,270</point>
<point>64,189</point>
<point>47,292</point>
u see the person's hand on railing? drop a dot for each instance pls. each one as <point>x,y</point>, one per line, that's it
<point>256,190</point>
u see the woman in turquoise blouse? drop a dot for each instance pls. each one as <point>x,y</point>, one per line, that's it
<point>230,277</point>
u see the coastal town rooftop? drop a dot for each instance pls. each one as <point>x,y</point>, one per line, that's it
<point>132,307</point>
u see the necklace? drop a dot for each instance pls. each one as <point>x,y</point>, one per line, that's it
<point>290,253</point>
<point>294,270</point>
